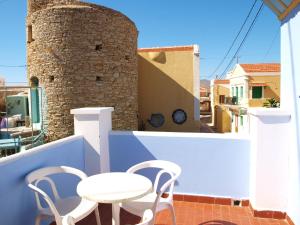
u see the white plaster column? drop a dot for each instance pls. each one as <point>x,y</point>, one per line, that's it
<point>212,100</point>
<point>196,65</point>
<point>290,100</point>
<point>94,124</point>
<point>269,159</point>
<point>246,92</point>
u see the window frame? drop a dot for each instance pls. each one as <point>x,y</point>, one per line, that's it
<point>262,92</point>
<point>242,92</point>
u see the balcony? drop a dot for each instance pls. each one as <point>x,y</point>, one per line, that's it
<point>257,102</point>
<point>219,170</point>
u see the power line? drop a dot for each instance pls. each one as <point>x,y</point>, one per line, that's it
<point>12,66</point>
<point>271,45</point>
<point>244,39</point>
<point>235,39</point>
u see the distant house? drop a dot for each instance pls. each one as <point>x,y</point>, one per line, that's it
<point>247,85</point>
<point>204,92</point>
<point>251,85</point>
<point>2,95</point>
<point>168,89</point>
<point>204,88</point>
<point>220,93</point>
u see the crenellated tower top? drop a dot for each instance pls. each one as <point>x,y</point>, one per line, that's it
<point>36,5</point>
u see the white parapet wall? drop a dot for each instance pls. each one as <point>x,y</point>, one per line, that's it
<point>290,100</point>
<point>17,201</point>
<point>215,165</point>
<point>269,159</point>
<point>94,124</point>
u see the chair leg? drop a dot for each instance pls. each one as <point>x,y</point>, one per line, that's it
<point>38,220</point>
<point>97,216</point>
<point>116,214</point>
<point>171,207</point>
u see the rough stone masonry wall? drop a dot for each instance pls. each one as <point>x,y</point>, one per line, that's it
<point>84,56</point>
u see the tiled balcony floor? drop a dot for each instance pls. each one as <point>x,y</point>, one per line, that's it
<point>189,213</point>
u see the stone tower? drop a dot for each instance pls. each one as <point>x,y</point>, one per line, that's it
<point>83,55</point>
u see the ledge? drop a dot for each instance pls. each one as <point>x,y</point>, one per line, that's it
<point>91,111</point>
<point>44,147</point>
<point>228,136</point>
<point>270,112</point>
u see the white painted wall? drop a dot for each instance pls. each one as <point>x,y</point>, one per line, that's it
<point>290,100</point>
<point>94,124</point>
<point>212,164</point>
<point>269,159</point>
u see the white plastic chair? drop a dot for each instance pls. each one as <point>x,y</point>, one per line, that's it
<point>154,200</point>
<point>65,211</point>
<point>147,218</point>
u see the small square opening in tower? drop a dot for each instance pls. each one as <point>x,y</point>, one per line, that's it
<point>98,47</point>
<point>51,79</point>
<point>29,34</point>
<point>98,79</point>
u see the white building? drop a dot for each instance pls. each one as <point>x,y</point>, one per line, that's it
<point>251,85</point>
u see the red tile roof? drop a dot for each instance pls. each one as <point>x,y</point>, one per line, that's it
<point>261,67</point>
<point>222,82</point>
<point>167,49</point>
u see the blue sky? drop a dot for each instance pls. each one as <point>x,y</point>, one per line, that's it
<point>210,24</point>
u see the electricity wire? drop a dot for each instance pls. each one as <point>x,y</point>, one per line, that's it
<point>243,41</point>
<point>235,39</point>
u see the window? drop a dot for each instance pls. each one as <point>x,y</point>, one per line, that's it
<point>242,91</point>
<point>221,99</point>
<point>237,92</point>
<point>232,91</point>
<point>241,120</point>
<point>257,92</point>
<point>29,34</point>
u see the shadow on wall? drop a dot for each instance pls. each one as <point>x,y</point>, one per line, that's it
<point>206,170</point>
<point>17,201</point>
<point>140,154</point>
<point>159,93</point>
<point>269,93</point>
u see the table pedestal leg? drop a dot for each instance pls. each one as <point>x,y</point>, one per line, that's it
<point>115,214</point>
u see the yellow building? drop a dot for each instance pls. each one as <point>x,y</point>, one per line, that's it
<point>247,85</point>
<point>220,92</point>
<point>168,89</point>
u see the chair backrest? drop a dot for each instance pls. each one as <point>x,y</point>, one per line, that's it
<point>165,167</point>
<point>35,177</point>
<point>161,164</point>
<point>147,218</point>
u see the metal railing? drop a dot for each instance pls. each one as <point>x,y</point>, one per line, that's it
<point>21,119</point>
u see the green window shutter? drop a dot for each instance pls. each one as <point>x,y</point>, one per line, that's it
<point>232,89</point>
<point>256,92</point>
<point>242,92</point>
<point>35,105</point>
<point>241,120</point>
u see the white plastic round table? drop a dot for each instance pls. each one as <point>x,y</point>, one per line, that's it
<point>114,188</point>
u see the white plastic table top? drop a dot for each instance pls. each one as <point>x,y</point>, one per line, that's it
<point>114,187</point>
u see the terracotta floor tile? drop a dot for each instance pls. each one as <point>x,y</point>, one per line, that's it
<point>189,213</point>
